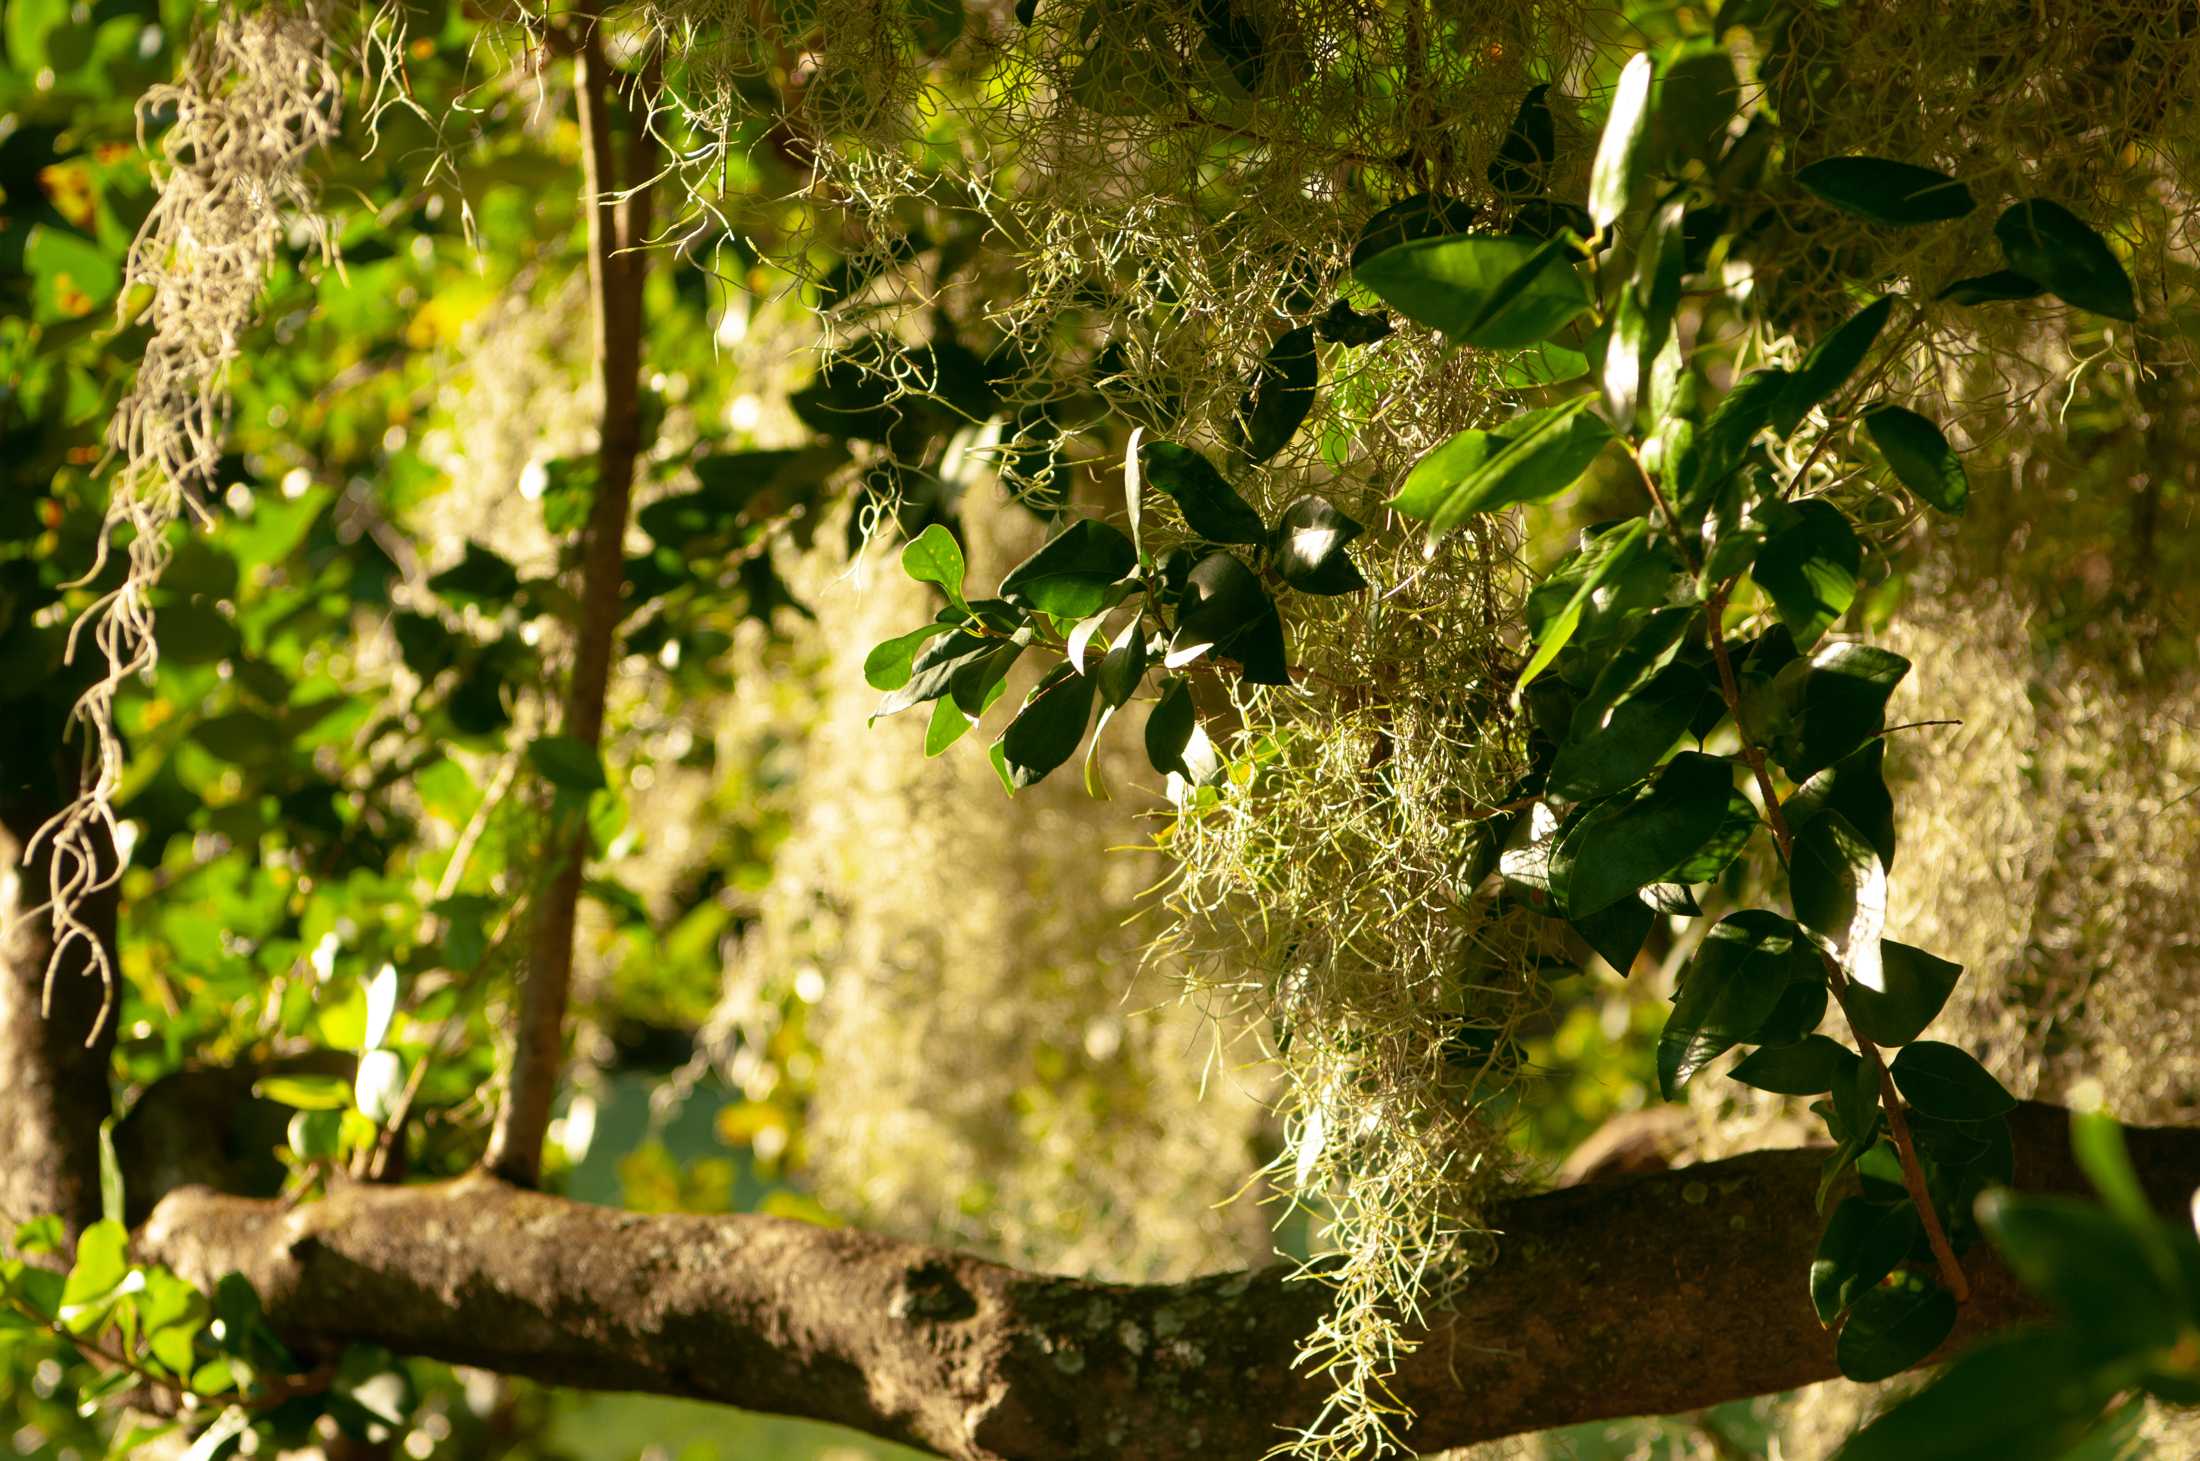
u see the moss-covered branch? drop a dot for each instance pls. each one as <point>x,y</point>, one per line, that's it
<point>1652,1294</point>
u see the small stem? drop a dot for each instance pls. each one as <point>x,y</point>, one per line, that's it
<point>615,270</point>
<point>1890,1100</point>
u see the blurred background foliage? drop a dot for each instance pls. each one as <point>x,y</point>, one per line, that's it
<point>328,774</point>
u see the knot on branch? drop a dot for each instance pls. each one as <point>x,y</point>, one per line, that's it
<point>931,1291</point>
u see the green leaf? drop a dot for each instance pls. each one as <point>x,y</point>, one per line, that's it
<point>1272,410</point>
<point>947,726</point>
<point>1994,288</point>
<point>888,665</point>
<point>1736,981</point>
<point>2030,1395</point>
<point>1692,99</point>
<point>1613,176</point>
<point>1914,987</point>
<point>1829,364</point>
<point>1210,505</point>
<point>1809,569</point>
<point>241,737</point>
<point>1047,730</point>
<point>1634,841</point>
<point>1308,552</point>
<point>1069,577</point>
<point>195,634</point>
<point>1920,456</point>
<point>1421,216</point>
<point>1831,704</point>
<point>1602,757</point>
<point>1894,1326</point>
<point>1719,449</point>
<point>2047,242</point>
<point>932,670</point>
<point>1534,458</point>
<point>566,763</point>
<point>1942,1080</point>
<point>1123,666</point>
<point>1612,556</point>
<point>1797,1014</point>
<point>1807,1068</point>
<point>2089,1263</point>
<point>1522,166</point>
<point>110,1173</point>
<point>1492,291</point>
<point>1856,787</point>
<point>2098,1144</point>
<point>305,1092</point>
<point>1840,891</point>
<point>1886,191</point>
<point>480,577</point>
<point>1543,365</point>
<point>1169,727</point>
<point>1224,610</point>
<point>1617,933</point>
<point>102,1260</point>
<point>933,556</point>
<point>1862,1243</point>
<point>977,680</point>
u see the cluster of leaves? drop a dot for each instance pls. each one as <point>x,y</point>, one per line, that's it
<point>154,1340</point>
<point>1677,657</point>
<point>1193,607</point>
<point>2125,1289</point>
<point>1650,709</point>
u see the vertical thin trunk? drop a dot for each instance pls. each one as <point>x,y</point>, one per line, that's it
<point>615,270</point>
<point>53,1069</point>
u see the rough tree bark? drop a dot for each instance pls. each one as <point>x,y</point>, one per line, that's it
<point>1638,1296</point>
<point>53,1069</point>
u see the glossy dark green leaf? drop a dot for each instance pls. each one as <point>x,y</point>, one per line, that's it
<point>1225,609</point>
<point>1308,552</point>
<point>1893,1326</point>
<point>1341,324</point>
<point>1840,891</point>
<point>1487,290</point>
<point>1272,410</point>
<point>2030,1395</point>
<point>1832,704</point>
<point>1211,507</point>
<point>566,763</point>
<point>1862,1243</point>
<point>1124,665</point>
<point>1522,167</point>
<point>1920,456</point>
<point>1856,787</point>
<point>931,668</point>
<point>1737,978</point>
<point>1601,757</point>
<point>2045,241</point>
<point>976,682</point>
<point>1069,576</point>
<point>241,737</point>
<point>1642,838</point>
<point>1421,216</point>
<point>195,634</point>
<point>1809,569</point>
<point>1914,986</point>
<point>1829,364</point>
<point>1531,459</point>
<point>1945,1081</point>
<point>1618,932</point>
<point>1718,449</point>
<point>1994,288</point>
<point>2097,1142</point>
<point>1886,191</point>
<point>1809,1067</point>
<point>1047,730</point>
<point>1692,99</point>
<point>1169,727</point>
<point>1558,607</point>
<point>1800,1009</point>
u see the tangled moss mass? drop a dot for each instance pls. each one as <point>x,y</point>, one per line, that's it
<point>1015,235</point>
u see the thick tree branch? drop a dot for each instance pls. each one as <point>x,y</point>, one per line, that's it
<point>615,270</point>
<point>1646,1295</point>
